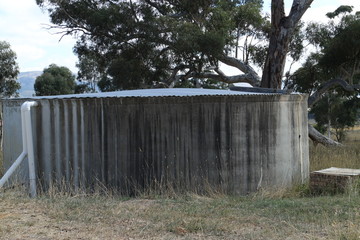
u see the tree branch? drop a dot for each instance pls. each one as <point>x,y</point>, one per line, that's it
<point>320,138</point>
<point>298,9</point>
<point>174,77</point>
<point>277,11</point>
<point>247,78</point>
<point>250,74</point>
<point>315,97</point>
<point>134,12</point>
<point>157,7</point>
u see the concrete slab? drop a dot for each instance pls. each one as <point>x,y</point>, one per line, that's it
<point>333,180</point>
<point>339,171</point>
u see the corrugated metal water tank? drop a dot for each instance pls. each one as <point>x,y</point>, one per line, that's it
<point>189,139</point>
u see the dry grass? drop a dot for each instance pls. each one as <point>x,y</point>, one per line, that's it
<point>343,157</point>
<point>183,217</point>
<point>282,214</point>
<point>354,134</point>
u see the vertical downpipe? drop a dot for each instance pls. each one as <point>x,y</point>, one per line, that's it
<point>103,177</point>
<point>82,136</point>
<point>25,109</point>
<point>75,144</point>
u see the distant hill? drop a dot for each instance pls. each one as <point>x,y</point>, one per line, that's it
<point>27,80</point>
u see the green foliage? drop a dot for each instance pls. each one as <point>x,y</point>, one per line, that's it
<point>340,10</point>
<point>139,44</point>
<point>321,128</point>
<point>204,83</point>
<point>343,52</point>
<point>319,34</point>
<point>340,111</point>
<point>337,57</point>
<point>82,88</point>
<point>55,80</point>
<point>308,77</point>
<point>9,71</point>
<point>338,42</point>
<point>88,74</point>
<point>296,45</point>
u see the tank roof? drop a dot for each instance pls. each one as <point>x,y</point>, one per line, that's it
<point>159,92</point>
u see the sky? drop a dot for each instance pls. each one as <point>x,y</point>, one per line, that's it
<point>23,25</point>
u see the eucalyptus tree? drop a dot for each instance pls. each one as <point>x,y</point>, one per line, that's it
<point>331,74</point>
<point>338,112</point>
<point>55,80</point>
<point>88,73</point>
<point>147,43</point>
<point>9,71</point>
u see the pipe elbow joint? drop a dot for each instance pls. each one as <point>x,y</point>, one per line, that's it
<point>27,105</point>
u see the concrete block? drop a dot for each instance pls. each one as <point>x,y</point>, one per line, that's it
<point>333,180</point>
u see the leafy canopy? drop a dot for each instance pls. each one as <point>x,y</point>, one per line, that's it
<point>9,71</point>
<point>338,52</point>
<point>341,112</point>
<point>55,80</point>
<point>337,58</point>
<point>145,43</point>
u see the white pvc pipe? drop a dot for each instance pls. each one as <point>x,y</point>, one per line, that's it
<point>12,169</point>
<point>22,156</point>
<point>25,108</point>
<point>23,129</point>
<point>28,148</point>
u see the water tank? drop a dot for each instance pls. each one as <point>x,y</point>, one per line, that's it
<point>186,139</point>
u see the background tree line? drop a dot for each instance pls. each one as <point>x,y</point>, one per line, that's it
<point>331,73</point>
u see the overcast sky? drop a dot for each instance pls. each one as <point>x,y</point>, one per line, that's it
<point>23,25</point>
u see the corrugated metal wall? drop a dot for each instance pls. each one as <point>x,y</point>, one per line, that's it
<point>232,143</point>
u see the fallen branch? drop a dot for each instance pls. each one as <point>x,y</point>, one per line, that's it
<point>317,137</point>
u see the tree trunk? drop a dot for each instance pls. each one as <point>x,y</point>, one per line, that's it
<point>278,48</point>
<point>282,29</point>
